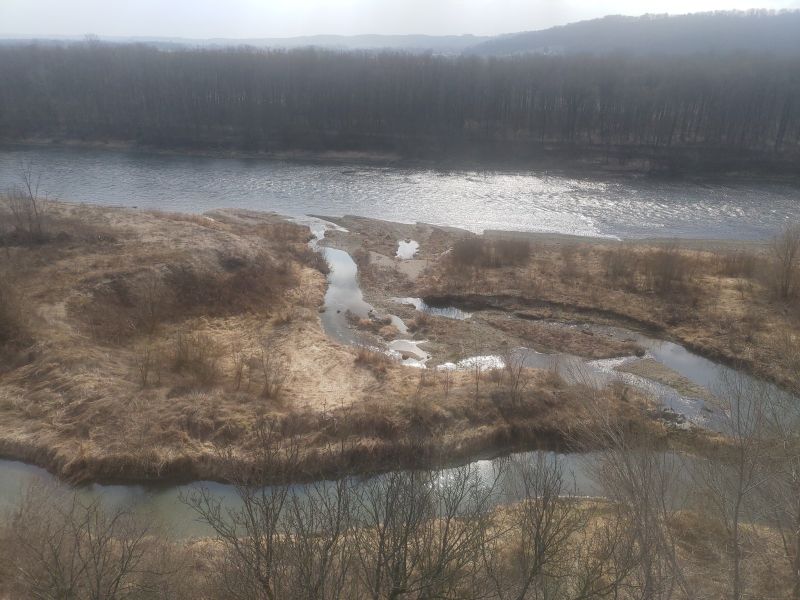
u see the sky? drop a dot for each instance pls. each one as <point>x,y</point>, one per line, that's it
<point>287,18</point>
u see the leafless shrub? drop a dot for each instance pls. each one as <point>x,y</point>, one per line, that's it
<point>362,258</point>
<point>778,486</point>
<point>728,483</point>
<point>67,548</point>
<point>129,304</point>
<point>274,371</point>
<point>786,254</point>
<point>667,271</point>
<point>533,543</point>
<point>239,362</point>
<point>569,264</point>
<point>311,258</point>
<point>467,252</point>
<point>620,265</point>
<point>510,252</point>
<point>490,253</point>
<point>196,355</point>
<point>418,533</point>
<point>284,232</point>
<point>515,375</point>
<point>420,322</point>
<point>253,562</point>
<point>148,360</point>
<point>285,316</point>
<point>737,263</point>
<point>29,210</point>
<point>446,379</point>
<point>15,315</point>
<point>374,360</point>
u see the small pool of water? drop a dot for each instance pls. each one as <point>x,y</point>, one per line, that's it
<point>407,249</point>
<point>448,312</point>
<point>409,352</point>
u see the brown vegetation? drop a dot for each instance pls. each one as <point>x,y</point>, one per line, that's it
<point>731,303</point>
<point>169,337</point>
<point>668,526</point>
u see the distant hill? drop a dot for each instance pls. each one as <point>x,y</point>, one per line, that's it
<point>444,44</point>
<point>720,32</point>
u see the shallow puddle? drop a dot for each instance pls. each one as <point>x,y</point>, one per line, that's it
<point>448,312</point>
<point>407,249</point>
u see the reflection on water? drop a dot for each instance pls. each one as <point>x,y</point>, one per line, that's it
<point>629,207</point>
<point>448,312</point>
<point>342,296</point>
<point>163,503</point>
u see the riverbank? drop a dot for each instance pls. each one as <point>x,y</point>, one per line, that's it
<point>157,346</point>
<point>714,297</point>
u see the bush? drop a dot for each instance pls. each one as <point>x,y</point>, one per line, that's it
<point>28,214</point>
<point>311,258</point>
<point>274,371</point>
<point>129,304</point>
<point>467,252</point>
<point>490,253</point>
<point>374,360</point>
<point>197,356</point>
<point>667,270</point>
<point>737,264</point>
<point>620,264</point>
<point>786,254</point>
<point>14,320</point>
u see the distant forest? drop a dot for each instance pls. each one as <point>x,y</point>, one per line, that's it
<point>721,31</point>
<point>690,109</point>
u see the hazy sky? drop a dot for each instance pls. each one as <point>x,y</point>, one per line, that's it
<point>284,18</point>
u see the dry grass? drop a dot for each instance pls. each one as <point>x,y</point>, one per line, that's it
<point>14,317</point>
<point>716,299</point>
<point>492,253</point>
<point>170,338</point>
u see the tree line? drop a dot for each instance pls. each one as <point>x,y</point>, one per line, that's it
<point>262,100</point>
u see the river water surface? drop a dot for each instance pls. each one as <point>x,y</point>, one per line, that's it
<point>530,201</point>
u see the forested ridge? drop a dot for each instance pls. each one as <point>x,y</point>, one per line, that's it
<point>689,109</point>
<point>756,30</point>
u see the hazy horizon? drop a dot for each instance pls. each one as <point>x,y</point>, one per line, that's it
<point>249,19</point>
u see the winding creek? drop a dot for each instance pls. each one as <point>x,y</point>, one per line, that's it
<point>343,296</point>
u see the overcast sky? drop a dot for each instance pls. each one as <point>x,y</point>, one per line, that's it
<point>285,18</point>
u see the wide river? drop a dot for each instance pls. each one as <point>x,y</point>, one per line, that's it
<point>529,201</point>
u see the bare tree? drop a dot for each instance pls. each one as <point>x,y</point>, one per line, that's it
<point>730,481</point>
<point>779,490</point>
<point>538,531</point>
<point>419,532</point>
<point>516,374</point>
<point>319,522</point>
<point>65,547</point>
<point>28,208</point>
<point>646,487</point>
<point>252,564</point>
<point>273,370</point>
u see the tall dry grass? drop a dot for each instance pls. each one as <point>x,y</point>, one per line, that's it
<point>129,304</point>
<point>492,253</point>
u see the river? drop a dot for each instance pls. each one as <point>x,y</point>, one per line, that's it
<point>549,202</point>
